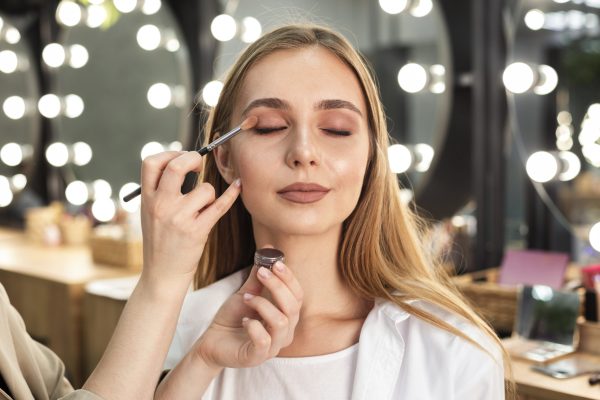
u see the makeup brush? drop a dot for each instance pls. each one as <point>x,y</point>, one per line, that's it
<point>248,123</point>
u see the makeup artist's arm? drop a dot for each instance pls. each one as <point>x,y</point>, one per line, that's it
<point>174,236</point>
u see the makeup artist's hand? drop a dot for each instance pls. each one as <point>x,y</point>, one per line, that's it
<point>176,226</point>
<point>249,329</point>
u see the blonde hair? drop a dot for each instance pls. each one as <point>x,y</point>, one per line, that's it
<point>380,252</point>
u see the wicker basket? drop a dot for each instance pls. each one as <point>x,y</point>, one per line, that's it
<point>496,304</point>
<point>117,251</point>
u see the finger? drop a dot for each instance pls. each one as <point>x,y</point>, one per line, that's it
<point>221,205</point>
<point>261,341</point>
<point>281,293</point>
<point>287,276</point>
<point>252,284</point>
<point>174,173</point>
<point>277,323</point>
<point>153,166</point>
<point>202,196</point>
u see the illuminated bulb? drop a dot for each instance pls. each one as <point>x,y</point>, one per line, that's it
<point>175,146</point>
<point>425,153</point>
<point>594,111</point>
<point>251,30</point>
<point>591,152</point>
<point>54,55</point>
<point>412,78</point>
<point>150,149</point>
<point>49,105</point>
<point>211,92</point>
<point>565,118</point>
<point>102,189</point>
<point>548,80</point>
<point>400,158</point>
<point>518,77</point>
<point>77,193</point>
<point>96,16</point>
<point>6,195</point>
<point>11,154</point>
<point>8,61</point>
<point>542,166</point>
<point>571,166</point>
<point>159,95</point>
<point>57,154</point>
<point>422,8</point>
<point>595,236</point>
<point>148,37</point>
<point>406,195</point>
<point>14,107</point>
<point>12,35</point>
<point>151,7</point>
<point>223,27</point>
<point>172,45</point>
<point>564,143</point>
<point>125,6</point>
<point>19,181</point>
<point>73,106</point>
<point>68,13</point>
<point>78,56</point>
<point>534,19</point>
<point>393,6</point>
<point>438,83</point>
<point>104,209</point>
<point>82,153</point>
<point>132,205</point>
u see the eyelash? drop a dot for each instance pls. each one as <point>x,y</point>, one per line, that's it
<point>265,131</point>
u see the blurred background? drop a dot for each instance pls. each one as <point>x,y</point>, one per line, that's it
<point>494,108</point>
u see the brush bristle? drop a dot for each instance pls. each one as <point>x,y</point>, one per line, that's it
<point>249,123</point>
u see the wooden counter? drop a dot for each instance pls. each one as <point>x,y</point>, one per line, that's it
<point>46,285</point>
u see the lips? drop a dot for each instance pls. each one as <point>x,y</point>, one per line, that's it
<point>303,192</point>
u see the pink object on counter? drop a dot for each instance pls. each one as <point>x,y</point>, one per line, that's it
<point>533,267</point>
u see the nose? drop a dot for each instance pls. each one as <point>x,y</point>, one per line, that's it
<point>303,151</point>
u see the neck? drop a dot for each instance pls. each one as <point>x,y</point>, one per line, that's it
<point>314,261</point>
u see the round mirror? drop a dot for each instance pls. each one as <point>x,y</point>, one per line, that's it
<point>554,108</point>
<point>122,91</point>
<point>19,120</point>
<point>407,47</point>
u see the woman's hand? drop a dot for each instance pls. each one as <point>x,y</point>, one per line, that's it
<point>249,329</point>
<point>176,226</point>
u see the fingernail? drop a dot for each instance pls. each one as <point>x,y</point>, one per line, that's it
<point>264,273</point>
<point>245,320</point>
<point>279,266</point>
<point>237,182</point>
<point>248,296</point>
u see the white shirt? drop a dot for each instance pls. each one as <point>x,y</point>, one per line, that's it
<point>399,356</point>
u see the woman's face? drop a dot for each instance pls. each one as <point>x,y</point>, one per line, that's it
<point>303,166</point>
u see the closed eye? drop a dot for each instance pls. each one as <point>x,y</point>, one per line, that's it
<point>264,131</point>
<point>337,132</point>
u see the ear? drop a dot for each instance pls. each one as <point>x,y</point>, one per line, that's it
<point>222,156</point>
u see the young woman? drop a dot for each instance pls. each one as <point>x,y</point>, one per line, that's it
<point>358,310</point>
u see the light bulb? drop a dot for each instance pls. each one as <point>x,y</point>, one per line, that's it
<point>78,56</point>
<point>518,77</point>
<point>148,37</point>
<point>102,189</point>
<point>223,27</point>
<point>96,16</point>
<point>82,153</point>
<point>159,95</point>
<point>11,154</point>
<point>68,13</point>
<point>6,194</point>
<point>172,45</point>
<point>412,78</point>
<point>104,209</point>
<point>125,6</point>
<point>14,107</point>
<point>54,55</point>
<point>571,165</point>
<point>19,181</point>
<point>251,30</point>
<point>9,61</point>
<point>393,6</point>
<point>57,154</point>
<point>542,166</point>
<point>151,7</point>
<point>400,158</point>
<point>77,193</point>
<point>175,146</point>
<point>151,148</point>
<point>425,153</point>
<point>211,92</point>
<point>534,19</point>
<point>49,105</point>
<point>422,8</point>
<point>595,236</point>
<point>548,80</point>
<point>132,205</point>
<point>594,111</point>
<point>73,106</point>
<point>12,35</point>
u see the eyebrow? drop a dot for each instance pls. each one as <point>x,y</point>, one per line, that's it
<point>279,104</point>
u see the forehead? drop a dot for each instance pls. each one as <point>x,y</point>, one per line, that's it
<point>301,76</point>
